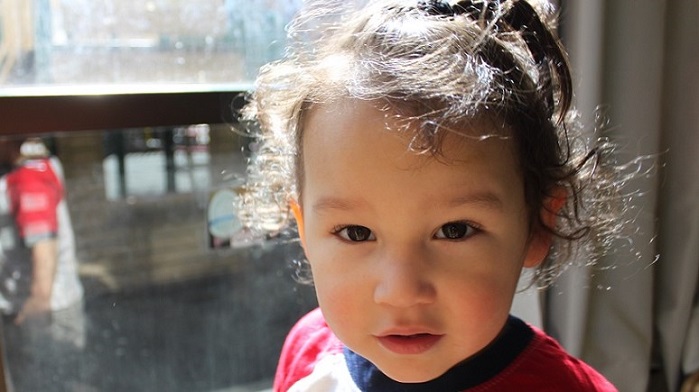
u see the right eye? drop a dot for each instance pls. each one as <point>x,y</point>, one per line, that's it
<point>455,231</point>
<point>354,233</point>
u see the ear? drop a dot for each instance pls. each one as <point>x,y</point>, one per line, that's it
<point>541,238</point>
<point>298,215</point>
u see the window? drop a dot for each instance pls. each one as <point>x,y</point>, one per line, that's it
<point>66,42</point>
<point>136,98</point>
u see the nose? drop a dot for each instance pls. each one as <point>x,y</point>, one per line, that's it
<point>404,279</point>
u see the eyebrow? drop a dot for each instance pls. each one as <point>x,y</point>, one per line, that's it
<point>485,199</point>
<point>335,203</point>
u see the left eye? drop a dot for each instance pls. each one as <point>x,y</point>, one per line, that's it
<point>354,233</point>
<point>455,231</point>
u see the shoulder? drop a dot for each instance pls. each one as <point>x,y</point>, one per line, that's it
<point>308,342</point>
<point>312,333</point>
<point>35,173</point>
<point>562,371</point>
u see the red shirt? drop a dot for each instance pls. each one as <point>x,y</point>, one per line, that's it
<point>32,209</point>
<point>35,191</point>
<point>522,358</point>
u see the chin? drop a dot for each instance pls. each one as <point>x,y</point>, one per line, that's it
<point>412,379</point>
<point>410,375</point>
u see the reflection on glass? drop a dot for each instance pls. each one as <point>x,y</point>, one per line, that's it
<point>163,309</point>
<point>155,161</point>
<point>136,41</point>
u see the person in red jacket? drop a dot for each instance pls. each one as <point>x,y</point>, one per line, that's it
<point>37,251</point>
<point>428,153</point>
<point>41,296</point>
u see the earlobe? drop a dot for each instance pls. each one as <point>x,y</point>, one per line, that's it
<point>541,240</point>
<point>297,211</point>
<point>539,246</point>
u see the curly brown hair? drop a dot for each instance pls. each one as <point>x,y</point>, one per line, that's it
<point>438,66</point>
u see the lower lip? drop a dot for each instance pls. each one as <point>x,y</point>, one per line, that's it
<point>409,345</point>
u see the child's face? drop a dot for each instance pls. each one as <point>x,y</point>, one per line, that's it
<point>415,260</point>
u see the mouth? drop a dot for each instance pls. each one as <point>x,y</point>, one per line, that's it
<point>409,344</point>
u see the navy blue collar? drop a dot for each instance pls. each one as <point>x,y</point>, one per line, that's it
<point>474,371</point>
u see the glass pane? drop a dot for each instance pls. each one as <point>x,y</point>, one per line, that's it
<point>155,161</point>
<point>170,303</point>
<point>51,42</point>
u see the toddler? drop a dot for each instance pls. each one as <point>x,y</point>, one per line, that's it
<point>427,153</point>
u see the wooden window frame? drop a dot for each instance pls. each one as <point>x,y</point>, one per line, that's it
<point>39,112</point>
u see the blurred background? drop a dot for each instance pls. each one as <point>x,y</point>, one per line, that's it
<point>138,99</point>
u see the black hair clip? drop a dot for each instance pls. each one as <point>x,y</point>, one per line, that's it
<point>480,8</point>
<point>474,9</point>
<point>436,7</point>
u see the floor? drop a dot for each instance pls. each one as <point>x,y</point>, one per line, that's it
<point>221,334</point>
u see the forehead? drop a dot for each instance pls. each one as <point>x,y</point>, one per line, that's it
<point>351,146</point>
<point>410,125</point>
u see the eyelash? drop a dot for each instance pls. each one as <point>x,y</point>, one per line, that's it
<point>469,229</point>
<point>344,233</point>
<point>465,231</point>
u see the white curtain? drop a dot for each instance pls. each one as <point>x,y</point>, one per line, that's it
<point>638,60</point>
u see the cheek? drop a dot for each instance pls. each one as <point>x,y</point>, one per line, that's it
<point>496,296</point>
<point>329,288</point>
<point>488,279</point>
<point>343,285</point>
<point>334,278</point>
<point>341,298</point>
<point>486,292</point>
<point>480,307</point>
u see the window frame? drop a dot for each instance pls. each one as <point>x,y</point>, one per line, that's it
<point>41,111</point>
